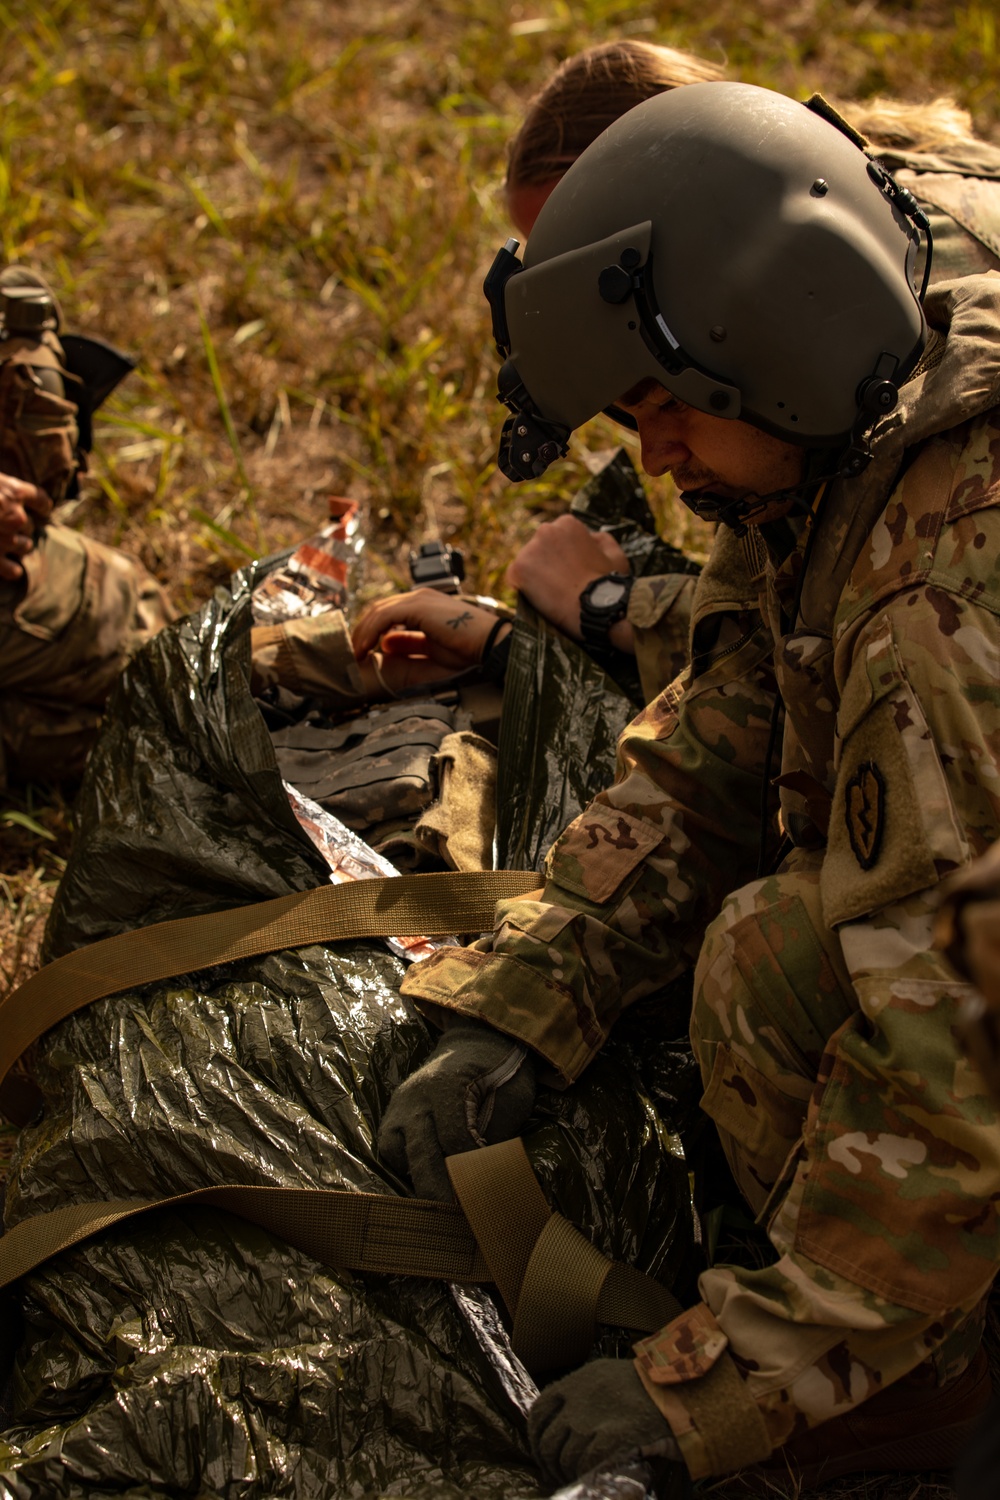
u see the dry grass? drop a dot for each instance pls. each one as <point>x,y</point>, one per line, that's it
<point>305,197</point>
<point>34,839</point>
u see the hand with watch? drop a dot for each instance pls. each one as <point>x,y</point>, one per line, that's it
<point>570,574</point>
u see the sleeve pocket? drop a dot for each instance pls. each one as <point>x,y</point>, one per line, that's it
<point>893,828</point>
<point>598,851</point>
<point>55,573</point>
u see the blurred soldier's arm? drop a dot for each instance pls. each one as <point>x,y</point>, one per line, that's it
<point>414,640</point>
<point>22,507</point>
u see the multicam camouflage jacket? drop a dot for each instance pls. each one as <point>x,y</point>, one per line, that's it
<point>659,612</point>
<point>80,609</point>
<point>960,191</point>
<point>884,1222</point>
<point>67,628</point>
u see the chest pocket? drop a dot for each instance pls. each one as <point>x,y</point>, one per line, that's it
<point>893,827</point>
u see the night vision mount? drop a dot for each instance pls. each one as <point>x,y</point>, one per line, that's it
<point>528,443</point>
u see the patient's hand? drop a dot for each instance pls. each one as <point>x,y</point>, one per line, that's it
<point>20,505</point>
<point>555,566</point>
<point>423,636</point>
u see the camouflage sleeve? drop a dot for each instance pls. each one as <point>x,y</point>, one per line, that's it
<point>634,880</point>
<point>311,656</point>
<point>66,631</point>
<point>659,611</point>
<point>884,1218</point>
<point>964,214</point>
<point>967,929</point>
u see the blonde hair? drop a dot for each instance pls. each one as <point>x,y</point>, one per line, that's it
<point>939,125</point>
<point>586,94</point>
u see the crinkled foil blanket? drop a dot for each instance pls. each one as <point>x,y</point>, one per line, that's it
<point>188,1352</point>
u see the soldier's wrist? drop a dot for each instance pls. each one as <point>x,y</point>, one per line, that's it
<point>622,637</point>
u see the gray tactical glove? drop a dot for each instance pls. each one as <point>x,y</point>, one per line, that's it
<point>476,1088</point>
<point>599,1413</point>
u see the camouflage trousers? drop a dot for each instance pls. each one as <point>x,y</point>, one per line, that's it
<point>771,988</point>
<point>66,630</point>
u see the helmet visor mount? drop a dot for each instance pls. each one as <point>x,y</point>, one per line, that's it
<point>602,294</point>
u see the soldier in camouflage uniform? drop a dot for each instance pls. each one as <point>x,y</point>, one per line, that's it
<point>72,611</point>
<point>954,176</point>
<point>846,646</point>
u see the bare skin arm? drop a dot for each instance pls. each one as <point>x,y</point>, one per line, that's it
<point>423,636</point>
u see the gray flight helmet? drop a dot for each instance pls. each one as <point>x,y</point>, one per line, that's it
<point>732,244</point>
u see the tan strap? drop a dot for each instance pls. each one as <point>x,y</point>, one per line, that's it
<point>555,1283</point>
<point>396,906</point>
<point>556,1318</point>
<point>555,1305</point>
<point>506,1208</point>
<point>631,1299</point>
<point>360,1231</point>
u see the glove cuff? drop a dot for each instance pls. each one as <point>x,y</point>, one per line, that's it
<point>697,1387</point>
<point>481,1093</point>
<point>717,1423</point>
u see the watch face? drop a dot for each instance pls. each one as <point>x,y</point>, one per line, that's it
<point>606,593</point>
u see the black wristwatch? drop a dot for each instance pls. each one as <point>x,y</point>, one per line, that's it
<point>602,604</point>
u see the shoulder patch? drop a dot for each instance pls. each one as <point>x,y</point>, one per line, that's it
<point>864,812</point>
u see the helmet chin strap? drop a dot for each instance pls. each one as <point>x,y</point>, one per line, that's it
<point>739,514</point>
<point>877,397</point>
<point>822,465</point>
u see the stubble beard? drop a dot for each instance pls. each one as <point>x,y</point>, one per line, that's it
<point>695,479</point>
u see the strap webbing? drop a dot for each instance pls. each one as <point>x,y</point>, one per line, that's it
<point>555,1307</point>
<point>396,906</point>
<point>556,1285</point>
<point>506,1208</point>
<point>358,1231</point>
<point>556,1317</point>
<point>554,1282</point>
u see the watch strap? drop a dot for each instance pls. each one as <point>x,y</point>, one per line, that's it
<point>596,620</point>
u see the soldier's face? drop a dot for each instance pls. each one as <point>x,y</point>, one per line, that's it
<point>729,458</point>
